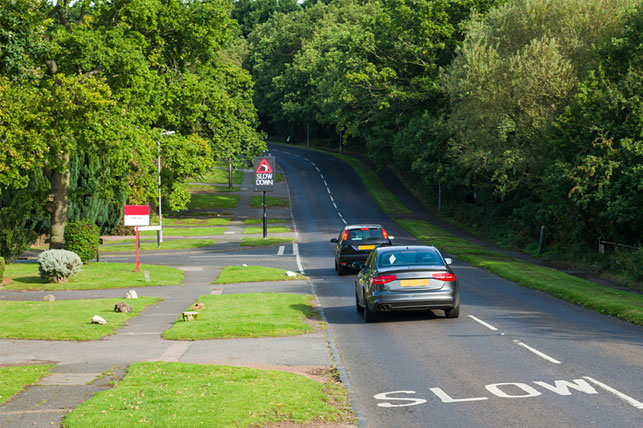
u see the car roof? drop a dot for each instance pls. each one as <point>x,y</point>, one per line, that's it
<point>405,248</point>
<point>360,226</point>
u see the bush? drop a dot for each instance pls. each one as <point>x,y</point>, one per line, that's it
<point>82,238</point>
<point>58,265</point>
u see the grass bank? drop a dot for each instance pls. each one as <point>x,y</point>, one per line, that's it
<point>239,274</point>
<point>247,315</point>
<point>14,379</point>
<point>65,319</point>
<point>190,395</point>
<point>94,276</point>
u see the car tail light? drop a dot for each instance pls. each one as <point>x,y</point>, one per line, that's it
<point>345,237</point>
<point>383,279</point>
<point>384,233</point>
<point>444,276</point>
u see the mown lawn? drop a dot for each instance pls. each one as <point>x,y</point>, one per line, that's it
<point>238,274</point>
<point>160,394</point>
<point>14,379</point>
<point>94,276</point>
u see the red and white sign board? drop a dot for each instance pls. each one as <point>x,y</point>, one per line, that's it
<point>136,215</point>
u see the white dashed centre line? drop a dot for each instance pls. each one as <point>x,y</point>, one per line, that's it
<point>281,250</point>
<point>478,320</point>
<point>537,352</point>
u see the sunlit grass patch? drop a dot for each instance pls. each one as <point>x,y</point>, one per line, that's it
<point>258,242</point>
<point>161,394</point>
<point>212,201</point>
<point>270,229</point>
<point>65,319</point>
<point>247,315</point>
<point>14,379</point>
<point>92,276</point>
<point>197,221</point>
<point>271,202</point>
<point>167,244</point>
<point>238,274</point>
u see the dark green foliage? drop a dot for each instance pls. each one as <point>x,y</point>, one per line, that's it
<point>82,238</point>
<point>1,269</point>
<point>22,216</point>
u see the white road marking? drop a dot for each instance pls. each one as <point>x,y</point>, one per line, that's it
<point>335,205</point>
<point>306,159</point>
<point>318,170</point>
<point>478,320</point>
<point>537,352</point>
<point>325,184</point>
<point>322,176</point>
<point>281,250</point>
<point>295,249</point>
<point>331,198</point>
<point>313,163</point>
<point>229,232</point>
<point>328,190</point>
<point>294,226</point>
<point>619,394</point>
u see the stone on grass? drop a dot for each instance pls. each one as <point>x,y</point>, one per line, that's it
<point>190,315</point>
<point>146,274</point>
<point>198,306</point>
<point>291,274</point>
<point>122,307</point>
<point>131,295</point>
<point>49,298</point>
<point>98,320</point>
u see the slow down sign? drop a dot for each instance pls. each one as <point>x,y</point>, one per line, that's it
<point>264,167</point>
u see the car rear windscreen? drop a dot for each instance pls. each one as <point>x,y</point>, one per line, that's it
<point>409,258</point>
<point>365,234</point>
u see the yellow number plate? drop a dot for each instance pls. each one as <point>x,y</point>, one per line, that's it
<point>366,247</point>
<point>414,282</point>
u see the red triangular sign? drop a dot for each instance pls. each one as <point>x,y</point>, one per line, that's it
<point>264,167</point>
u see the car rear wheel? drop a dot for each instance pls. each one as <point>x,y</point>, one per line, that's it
<point>357,305</point>
<point>453,312</point>
<point>369,316</point>
<point>340,270</point>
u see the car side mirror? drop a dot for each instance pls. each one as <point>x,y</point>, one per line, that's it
<point>334,240</point>
<point>449,260</point>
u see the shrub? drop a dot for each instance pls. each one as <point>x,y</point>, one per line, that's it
<point>58,265</point>
<point>82,237</point>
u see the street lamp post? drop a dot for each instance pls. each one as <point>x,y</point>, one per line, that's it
<point>158,146</point>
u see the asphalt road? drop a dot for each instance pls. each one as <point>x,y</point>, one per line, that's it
<point>515,357</point>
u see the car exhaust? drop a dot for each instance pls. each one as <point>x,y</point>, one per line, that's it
<point>386,308</point>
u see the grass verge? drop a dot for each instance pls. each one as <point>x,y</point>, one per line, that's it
<point>65,319</point>
<point>259,242</point>
<point>271,229</point>
<point>219,176</point>
<point>271,202</point>
<point>212,201</point>
<point>170,244</point>
<point>208,188</point>
<point>14,379</point>
<point>186,231</point>
<point>198,221</point>
<point>94,276</point>
<point>239,274</point>
<point>160,394</point>
<point>270,220</point>
<point>247,315</point>
<point>622,304</point>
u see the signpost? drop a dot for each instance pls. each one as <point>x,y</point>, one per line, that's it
<point>136,215</point>
<point>264,167</point>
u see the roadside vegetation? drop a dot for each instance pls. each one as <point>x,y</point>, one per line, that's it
<point>94,276</point>
<point>14,379</point>
<point>65,319</point>
<point>260,242</point>
<point>190,395</point>
<point>247,315</point>
<point>240,274</point>
<point>148,245</point>
<point>271,229</point>
<point>196,221</point>
<point>270,220</point>
<point>256,201</point>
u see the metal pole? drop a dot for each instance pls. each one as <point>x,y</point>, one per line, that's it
<point>229,173</point>
<point>159,234</point>
<point>542,238</point>
<point>265,218</point>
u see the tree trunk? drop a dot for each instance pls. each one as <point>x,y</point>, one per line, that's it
<point>59,207</point>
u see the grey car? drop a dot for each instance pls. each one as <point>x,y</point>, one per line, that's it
<point>401,278</point>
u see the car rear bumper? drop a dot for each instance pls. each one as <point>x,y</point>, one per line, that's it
<point>347,259</point>
<point>396,301</point>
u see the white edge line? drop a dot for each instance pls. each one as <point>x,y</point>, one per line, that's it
<point>281,250</point>
<point>537,352</point>
<point>619,394</point>
<point>294,226</point>
<point>478,320</point>
<point>295,249</point>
